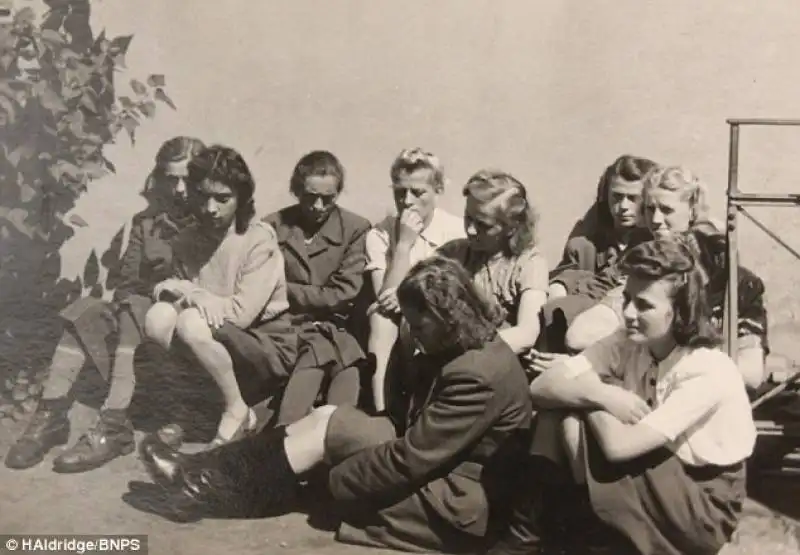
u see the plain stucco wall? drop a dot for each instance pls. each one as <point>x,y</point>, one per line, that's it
<point>551,91</point>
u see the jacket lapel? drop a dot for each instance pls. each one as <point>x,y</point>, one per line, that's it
<point>290,236</point>
<point>330,234</point>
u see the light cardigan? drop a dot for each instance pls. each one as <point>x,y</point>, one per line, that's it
<point>245,271</point>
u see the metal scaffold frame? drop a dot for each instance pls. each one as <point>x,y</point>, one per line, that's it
<point>737,201</point>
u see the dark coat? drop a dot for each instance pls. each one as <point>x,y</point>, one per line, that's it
<point>147,260</point>
<point>323,280</point>
<point>464,435</point>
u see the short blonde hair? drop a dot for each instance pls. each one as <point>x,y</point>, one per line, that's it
<point>680,180</point>
<point>412,159</point>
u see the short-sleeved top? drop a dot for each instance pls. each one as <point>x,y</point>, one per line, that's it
<point>382,239</point>
<point>698,397</point>
<point>502,277</point>
<point>246,270</point>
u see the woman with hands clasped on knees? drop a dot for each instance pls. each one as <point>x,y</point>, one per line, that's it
<point>661,424</point>
<point>397,243</point>
<point>227,302</point>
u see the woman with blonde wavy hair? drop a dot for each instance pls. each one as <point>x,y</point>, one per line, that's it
<point>674,200</point>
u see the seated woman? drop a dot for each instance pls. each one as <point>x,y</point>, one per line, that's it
<point>588,268</point>
<point>665,214</point>
<point>662,424</point>
<point>227,300</point>
<point>501,253</point>
<point>673,201</point>
<point>109,332</point>
<point>397,243</point>
<point>323,246</point>
<point>434,477</point>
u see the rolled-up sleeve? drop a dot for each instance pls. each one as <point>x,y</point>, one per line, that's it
<point>377,248</point>
<point>604,358</point>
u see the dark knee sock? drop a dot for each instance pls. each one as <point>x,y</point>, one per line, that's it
<point>300,394</point>
<point>344,388</point>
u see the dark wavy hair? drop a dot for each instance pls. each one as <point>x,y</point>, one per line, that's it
<point>627,168</point>
<point>225,165</point>
<point>516,210</point>
<point>442,287</point>
<point>176,149</point>
<point>676,259</point>
<point>320,163</point>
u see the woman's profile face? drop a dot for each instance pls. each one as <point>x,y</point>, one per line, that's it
<point>486,233</point>
<point>173,179</point>
<point>624,199</point>
<point>427,330</point>
<point>215,203</point>
<point>647,309</point>
<point>667,212</point>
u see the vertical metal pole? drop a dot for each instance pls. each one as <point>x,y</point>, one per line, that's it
<point>731,299</point>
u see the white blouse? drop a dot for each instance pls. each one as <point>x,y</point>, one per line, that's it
<point>698,398</point>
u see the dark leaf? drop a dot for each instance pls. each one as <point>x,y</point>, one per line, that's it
<point>126,102</point>
<point>91,271</point>
<point>51,101</point>
<point>94,170</point>
<point>26,193</point>
<point>156,81</point>
<point>120,45</point>
<point>130,124</point>
<point>24,16</point>
<point>17,218</point>
<point>23,152</point>
<point>110,165</point>
<point>162,96</point>
<point>100,42</point>
<point>52,37</point>
<point>64,169</point>
<point>76,220</point>
<point>148,108</point>
<point>138,87</point>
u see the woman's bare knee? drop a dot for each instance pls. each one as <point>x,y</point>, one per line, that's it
<point>159,323</point>
<point>192,328</point>
<point>591,326</point>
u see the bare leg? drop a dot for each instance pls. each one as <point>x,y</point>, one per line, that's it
<point>590,326</point>
<point>160,323</point>
<point>382,336</point>
<point>215,359</point>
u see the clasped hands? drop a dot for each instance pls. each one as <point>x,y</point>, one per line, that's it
<point>184,294</point>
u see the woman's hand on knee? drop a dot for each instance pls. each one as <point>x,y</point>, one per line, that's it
<point>192,327</point>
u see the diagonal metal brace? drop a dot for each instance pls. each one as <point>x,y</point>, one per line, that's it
<point>769,232</point>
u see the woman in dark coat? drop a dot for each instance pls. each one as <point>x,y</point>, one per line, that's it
<point>323,250</point>
<point>432,477</point>
<point>109,332</point>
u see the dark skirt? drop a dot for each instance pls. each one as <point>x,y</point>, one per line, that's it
<point>263,356</point>
<point>406,524</point>
<point>96,321</point>
<point>663,506</point>
<point>326,346</point>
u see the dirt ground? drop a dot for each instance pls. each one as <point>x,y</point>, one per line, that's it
<point>99,502</point>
